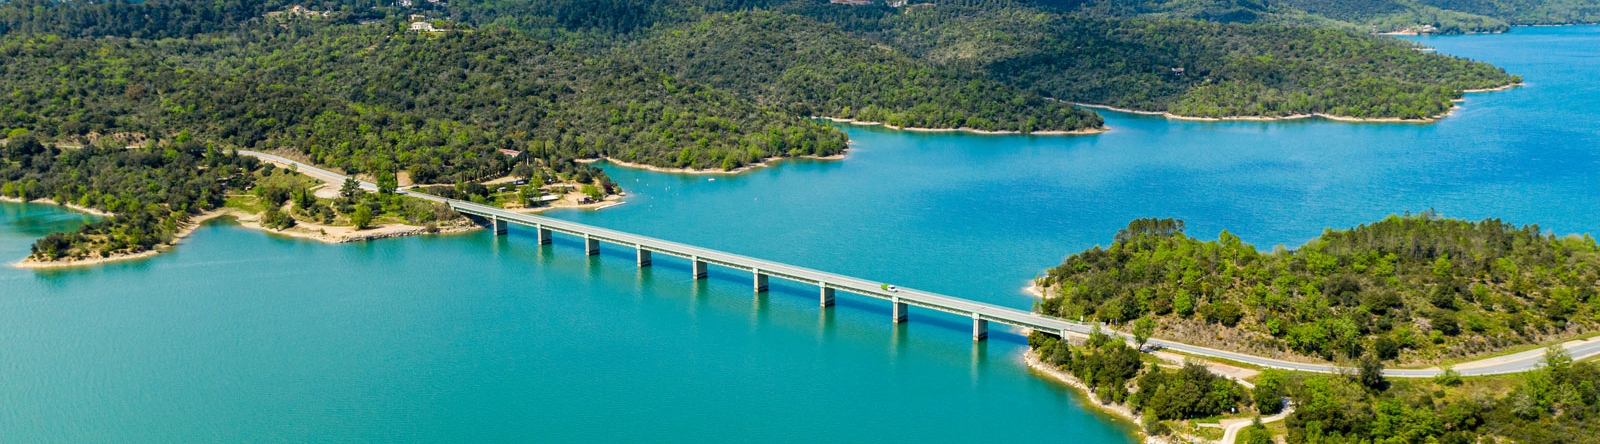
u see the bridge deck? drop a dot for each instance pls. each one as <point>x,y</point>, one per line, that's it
<point>934,301</point>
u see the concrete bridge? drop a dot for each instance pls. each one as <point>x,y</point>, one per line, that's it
<point>828,284</point>
<point>761,271</point>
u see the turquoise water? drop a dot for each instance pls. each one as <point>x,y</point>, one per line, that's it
<point>243,336</point>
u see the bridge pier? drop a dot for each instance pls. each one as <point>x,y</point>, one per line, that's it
<point>544,236</point>
<point>899,310</point>
<point>591,246</point>
<point>760,281</point>
<point>644,257</point>
<point>499,226</point>
<point>827,296</point>
<point>699,268</point>
<point>980,328</point>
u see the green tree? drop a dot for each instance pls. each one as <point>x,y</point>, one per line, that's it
<point>1256,433</point>
<point>1142,329</point>
<point>387,182</point>
<point>1369,372</point>
<point>350,189</point>
<point>362,218</point>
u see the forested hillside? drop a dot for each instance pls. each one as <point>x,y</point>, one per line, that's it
<point>813,68</point>
<point>1147,56</point>
<point>1527,12</point>
<point>155,19</point>
<point>1401,16</point>
<point>367,98</point>
<point>1372,16</point>
<point>1188,68</point>
<point>1412,290</point>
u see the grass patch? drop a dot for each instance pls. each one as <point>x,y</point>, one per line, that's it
<point>244,202</point>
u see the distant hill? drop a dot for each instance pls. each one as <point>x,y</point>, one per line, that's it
<point>814,68</point>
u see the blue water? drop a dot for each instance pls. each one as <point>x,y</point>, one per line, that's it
<point>242,336</point>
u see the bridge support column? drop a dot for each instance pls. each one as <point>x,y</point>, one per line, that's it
<point>499,226</point>
<point>544,236</point>
<point>591,246</point>
<point>980,328</point>
<point>760,281</point>
<point>827,296</point>
<point>699,268</point>
<point>644,257</point>
<point>899,310</point>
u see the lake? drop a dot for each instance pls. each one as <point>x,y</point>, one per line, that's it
<point>239,335</point>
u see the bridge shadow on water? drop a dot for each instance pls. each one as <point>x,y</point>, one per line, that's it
<point>568,250</point>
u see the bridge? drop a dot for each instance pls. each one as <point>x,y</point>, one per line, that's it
<point>761,270</point>
<point>829,284</point>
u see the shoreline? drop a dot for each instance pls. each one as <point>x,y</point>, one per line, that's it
<point>334,234</point>
<point>1337,118</point>
<point>302,230</point>
<point>1082,132</point>
<point>1118,412</point>
<point>43,201</point>
<point>1498,88</point>
<point>764,163</point>
<point>177,237</point>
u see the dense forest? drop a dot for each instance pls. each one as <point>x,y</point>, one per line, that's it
<point>1452,16</point>
<point>1148,56</point>
<point>1413,289</point>
<point>812,68</point>
<point>369,98</point>
<point>1413,16</point>
<point>1188,68</point>
<point>1403,16</point>
<point>1527,12</point>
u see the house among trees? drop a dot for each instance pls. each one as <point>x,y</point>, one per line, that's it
<point>851,2</point>
<point>423,27</point>
<point>510,153</point>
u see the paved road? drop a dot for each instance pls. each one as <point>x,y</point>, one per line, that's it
<point>1230,434</point>
<point>1513,363</point>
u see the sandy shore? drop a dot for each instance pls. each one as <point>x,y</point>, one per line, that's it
<point>1034,289</point>
<point>73,207</point>
<point>1119,411</point>
<point>1122,411</point>
<point>193,224</point>
<point>305,230</point>
<point>333,234</point>
<point>567,204</point>
<point>1172,116</point>
<point>764,163</point>
<point>1502,88</point>
<point>968,130</point>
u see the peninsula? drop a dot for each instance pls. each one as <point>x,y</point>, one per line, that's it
<point>1413,290</point>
